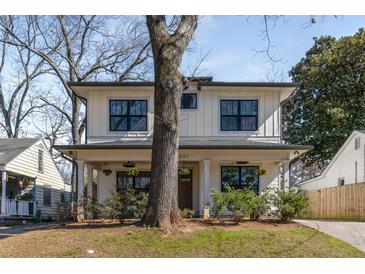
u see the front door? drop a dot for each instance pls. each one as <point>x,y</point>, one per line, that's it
<point>185,188</point>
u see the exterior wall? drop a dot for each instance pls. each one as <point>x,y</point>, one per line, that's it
<point>342,166</point>
<point>200,123</point>
<point>27,164</point>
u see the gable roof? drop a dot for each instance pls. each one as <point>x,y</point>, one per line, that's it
<point>325,171</point>
<point>11,148</point>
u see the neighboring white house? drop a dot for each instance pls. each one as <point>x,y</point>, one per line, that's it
<point>30,180</point>
<point>346,167</point>
<point>228,131</point>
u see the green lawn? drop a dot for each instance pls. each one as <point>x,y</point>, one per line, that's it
<point>250,239</point>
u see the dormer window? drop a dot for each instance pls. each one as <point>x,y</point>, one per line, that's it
<point>128,115</point>
<point>189,101</point>
<point>239,115</point>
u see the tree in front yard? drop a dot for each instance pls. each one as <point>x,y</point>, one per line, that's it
<point>329,103</point>
<point>168,45</point>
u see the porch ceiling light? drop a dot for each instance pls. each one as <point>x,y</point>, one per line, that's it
<point>129,164</point>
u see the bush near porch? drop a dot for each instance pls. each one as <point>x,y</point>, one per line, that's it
<point>239,204</point>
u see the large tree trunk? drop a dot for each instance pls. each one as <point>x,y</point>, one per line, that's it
<point>162,208</point>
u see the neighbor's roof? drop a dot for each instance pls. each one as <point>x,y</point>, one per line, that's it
<point>189,144</point>
<point>10,148</point>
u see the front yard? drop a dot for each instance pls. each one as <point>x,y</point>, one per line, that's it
<point>195,239</point>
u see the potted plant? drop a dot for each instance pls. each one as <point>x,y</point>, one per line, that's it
<point>107,171</point>
<point>133,171</point>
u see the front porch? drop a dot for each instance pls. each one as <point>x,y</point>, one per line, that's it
<point>17,195</point>
<point>206,159</point>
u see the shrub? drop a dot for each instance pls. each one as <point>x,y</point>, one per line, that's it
<point>235,202</point>
<point>133,204</point>
<point>257,205</point>
<point>89,207</point>
<point>127,204</point>
<point>112,207</point>
<point>289,204</point>
<point>187,213</point>
<point>63,212</point>
<point>219,203</point>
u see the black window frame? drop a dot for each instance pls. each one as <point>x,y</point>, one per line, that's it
<point>182,106</point>
<point>40,160</point>
<point>239,114</point>
<point>128,115</point>
<point>125,173</point>
<point>256,189</point>
<point>47,203</point>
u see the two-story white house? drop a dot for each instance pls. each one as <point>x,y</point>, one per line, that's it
<point>229,130</point>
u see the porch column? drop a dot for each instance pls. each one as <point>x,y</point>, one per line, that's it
<point>3,193</point>
<point>90,187</point>
<point>285,175</point>
<point>80,189</point>
<point>206,166</point>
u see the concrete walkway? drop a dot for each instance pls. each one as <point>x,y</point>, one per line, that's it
<point>350,232</point>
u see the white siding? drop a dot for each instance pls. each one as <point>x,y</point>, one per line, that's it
<point>27,164</point>
<point>342,166</point>
<point>201,123</point>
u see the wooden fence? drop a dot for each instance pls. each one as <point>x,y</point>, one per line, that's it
<point>345,202</point>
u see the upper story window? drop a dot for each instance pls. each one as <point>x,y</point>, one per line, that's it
<point>357,143</point>
<point>189,101</point>
<point>239,115</point>
<point>40,161</point>
<point>128,115</point>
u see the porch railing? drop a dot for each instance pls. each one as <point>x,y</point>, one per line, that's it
<point>18,207</point>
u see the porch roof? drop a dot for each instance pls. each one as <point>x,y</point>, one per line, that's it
<point>190,144</point>
<point>11,148</point>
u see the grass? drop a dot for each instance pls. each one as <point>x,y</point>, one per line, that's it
<point>249,239</point>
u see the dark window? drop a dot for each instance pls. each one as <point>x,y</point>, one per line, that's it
<point>239,115</point>
<point>62,197</point>
<point>357,143</point>
<point>140,182</point>
<point>128,115</point>
<point>40,161</point>
<point>189,101</point>
<point>47,195</point>
<point>341,181</point>
<point>240,177</point>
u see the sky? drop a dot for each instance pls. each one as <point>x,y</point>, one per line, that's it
<point>233,42</point>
